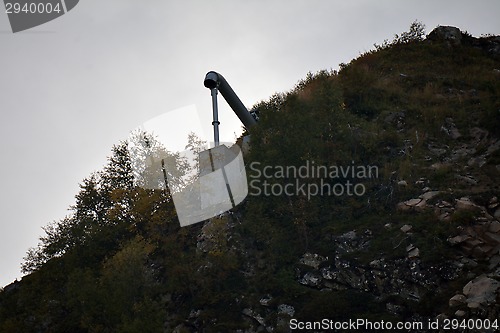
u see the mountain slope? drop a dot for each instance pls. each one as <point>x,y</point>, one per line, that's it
<point>394,216</point>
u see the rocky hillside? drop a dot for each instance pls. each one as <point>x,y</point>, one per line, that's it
<point>416,238</point>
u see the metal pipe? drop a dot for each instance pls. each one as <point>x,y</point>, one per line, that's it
<point>215,80</point>
<point>216,121</point>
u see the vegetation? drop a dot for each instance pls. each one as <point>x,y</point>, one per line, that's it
<point>121,263</point>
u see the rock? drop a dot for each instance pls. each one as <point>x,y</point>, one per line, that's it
<point>211,231</point>
<point>245,144</point>
<point>180,329</point>
<point>457,300</point>
<point>429,195</point>
<point>378,263</point>
<point>492,238</point>
<point>438,152</point>
<point>264,301</point>
<point>479,135</point>
<point>462,152</point>
<point>450,129</point>
<point>493,148</point>
<point>403,207</point>
<point>413,202</point>
<point>311,279</point>
<point>194,314</point>
<point>473,305</point>
<point>420,183</point>
<point>352,241</point>
<point>413,251</point>
<point>494,261</point>
<point>493,205</point>
<point>482,290</point>
<point>402,183</point>
<point>471,243</point>
<point>467,179</point>
<point>406,228</point>
<point>468,262</point>
<point>458,239</point>
<point>394,308</point>
<point>460,313</point>
<point>444,216</point>
<point>465,204</point>
<point>482,251</point>
<point>328,274</point>
<point>252,314</point>
<point>413,254</point>
<point>350,235</point>
<point>443,204</point>
<point>451,35</point>
<point>312,260</point>
<point>421,205</point>
<point>477,161</point>
<point>286,309</point>
<point>494,227</point>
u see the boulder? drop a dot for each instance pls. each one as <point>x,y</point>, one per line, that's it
<point>482,290</point>
<point>254,315</point>
<point>264,301</point>
<point>311,279</point>
<point>451,35</point>
<point>467,179</point>
<point>406,228</point>
<point>465,204</point>
<point>429,195</point>
<point>495,227</point>
<point>286,310</point>
<point>414,253</point>
<point>312,260</point>
<point>413,202</point>
<point>458,239</point>
<point>477,161</point>
<point>492,238</point>
<point>457,300</point>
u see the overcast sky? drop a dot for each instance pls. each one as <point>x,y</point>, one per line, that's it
<point>72,88</point>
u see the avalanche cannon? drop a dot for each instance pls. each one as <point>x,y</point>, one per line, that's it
<point>222,180</point>
<point>216,82</point>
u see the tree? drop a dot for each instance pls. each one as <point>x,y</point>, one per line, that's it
<point>416,33</point>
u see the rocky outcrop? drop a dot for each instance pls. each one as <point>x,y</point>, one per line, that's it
<point>404,276</point>
<point>454,37</point>
<point>448,34</point>
<point>482,291</point>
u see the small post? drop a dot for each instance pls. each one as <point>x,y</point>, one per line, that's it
<point>216,122</point>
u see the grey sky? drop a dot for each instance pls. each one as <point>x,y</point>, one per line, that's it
<point>73,87</point>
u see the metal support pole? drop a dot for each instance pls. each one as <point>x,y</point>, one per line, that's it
<point>216,122</point>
